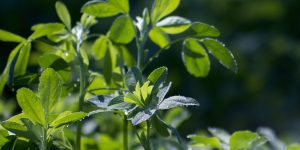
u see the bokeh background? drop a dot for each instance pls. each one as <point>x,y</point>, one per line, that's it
<point>264,36</point>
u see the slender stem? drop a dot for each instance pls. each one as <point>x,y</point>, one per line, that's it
<point>125,133</point>
<point>148,134</point>
<point>81,94</point>
<point>44,142</point>
<point>141,42</point>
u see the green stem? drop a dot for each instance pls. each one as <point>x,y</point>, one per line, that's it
<point>141,42</point>
<point>81,94</point>
<point>125,133</point>
<point>148,134</point>
<point>44,142</point>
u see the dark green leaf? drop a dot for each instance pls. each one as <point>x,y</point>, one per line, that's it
<point>48,29</point>
<point>100,8</point>
<point>122,30</point>
<point>177,101</point>
<point>108,67</point>
<point>101,101</point>
<point>160,127</point>
<point>158,76</point>
<point>35,131</point>
<point>16,128</point>
<point>22,62</point>
<point>49,89</point>
<point>127,57</point>
<point>31,105</point>
<point>26,79</point>
<point>160,38</point>
<point>204,30</point>
<point>219,51</point>
<point>162,8</point>
<point>133,76</point>
<point>100,47</point>
<point>67,118</point>
<point>195,58</point>
<point>177,116</point>
<point>63,14</point>
<point>10,37</point>
<point>174,25</point>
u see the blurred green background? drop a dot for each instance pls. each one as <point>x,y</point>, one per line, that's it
<point>264,36</point>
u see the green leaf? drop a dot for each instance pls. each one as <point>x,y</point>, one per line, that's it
<point>122,30</point>
<point>160,38</point>
<point>162,8</point>
<point>31,105</point>
<point>35,131</point>
<point>205,142</point>
<point>49,89</point>
<point>242,140</point>
<point>100,47</point>
<point>221,134</point>
<point>160,127</point>
<point>195,58</point>
<point>177,101</point>
<point>219,51</point>
<point>127,57</point>
<point>108,66</point>
<point>133,76</point>
<point>63,14</point>
<point>16,128</point>
<point>158,76</point>
<point>204,30</point>
<point>67,118</point>
<point>294,147</point>
<point>100,8</point>
<point>122,5</point>
<point>10,37</point>
<point>57,63</point>
<point>133,99</point>
<point>174,25</point>
<point>176,116</point>
<point>101,101</point>
<point>48,29</point>
<point>22,60</point>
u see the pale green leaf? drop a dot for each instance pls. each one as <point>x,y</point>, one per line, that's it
<point>205,30</point>
<point>10,37</point>
<point>293,147</point>
<point>100,47</point>
<point>174,25</point>
<point>162,8</point>
<point>131,98</point>
<point>177,101</point>
<point>63,14</point>
<point>142,116</point>
<point>122,30</point>
<point>67,118</point>
<point>195,58</point>
<point>49,89</point>
<point>242,140</point>
<point>220,52</point>
<point>159,37</point>
<point>31,105</point>
<point>100,8</point>
<point>48,29</point>
<point>176,116</point>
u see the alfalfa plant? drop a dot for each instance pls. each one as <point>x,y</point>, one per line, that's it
<point>119,83</point>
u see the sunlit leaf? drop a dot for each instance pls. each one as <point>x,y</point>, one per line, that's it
<point>63,14</point>
<point>242,140</point>
<point>31,105</point>
<point>195,58</point>
<point>199,141</point>
<point>158,76</point>
<point>293,147</point>
<point>48,29</point>
<point>174,25</point>
<point>100,8</point>
<point>22,61</point>
<point>10,37</point>
<point>220,52</point>
<point>205,30</point>
<point>66,118</point>
<point>122,30</point>
<point>123,5</point>
<point>162,8</point>
<point>160,38</point>
<point>49,89</point>
<point>177,101</point>
<point>142,116</point>
<point>100,47</point>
